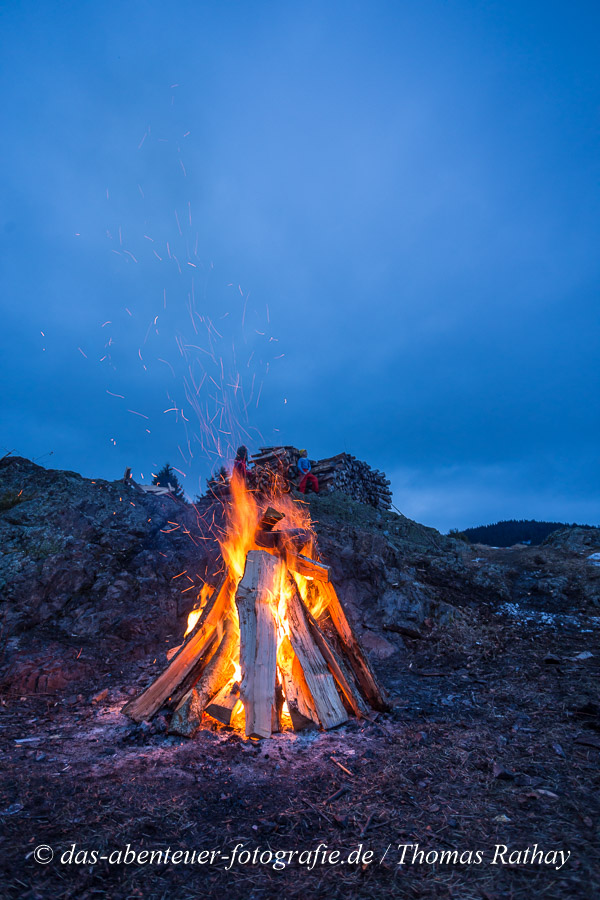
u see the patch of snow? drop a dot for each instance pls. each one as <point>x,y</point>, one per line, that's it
<point>594,558</point>
<point>549,619</point>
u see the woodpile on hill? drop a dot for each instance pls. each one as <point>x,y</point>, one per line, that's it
<point>344,473</point>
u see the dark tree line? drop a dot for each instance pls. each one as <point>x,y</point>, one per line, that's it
<point>513,531</point>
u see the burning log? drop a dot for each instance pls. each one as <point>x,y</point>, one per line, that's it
<point>335,665</point>
<point>299,701</point>
<point>217,673</point>
<point>364,674</point>
<point>292,541</point>
<point>308,567</point>
<point>224,706</point>
<point>187,661</point>
<point>258,643</point>
<point>270,519</point>
<point>329,708</point>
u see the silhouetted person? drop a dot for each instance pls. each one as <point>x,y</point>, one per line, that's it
<point>240,464</point>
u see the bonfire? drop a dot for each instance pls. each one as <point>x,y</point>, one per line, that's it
<point>269,647</point>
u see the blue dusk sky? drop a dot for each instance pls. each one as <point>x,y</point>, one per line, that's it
<point>360,226</point>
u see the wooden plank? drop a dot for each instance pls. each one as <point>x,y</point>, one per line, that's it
<point>219,671</point>
<point>329,707</point>
<point>258,643</point>
<point>295,689</point>
<point>147,704</point>
<point>365,676</point>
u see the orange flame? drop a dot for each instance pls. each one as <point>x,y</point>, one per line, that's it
<point>243,516</point>
<point>195,614</point>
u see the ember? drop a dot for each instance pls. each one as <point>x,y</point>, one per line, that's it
<point>270,647</point>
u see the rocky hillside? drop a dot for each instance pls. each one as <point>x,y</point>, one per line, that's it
<point>96,575</point>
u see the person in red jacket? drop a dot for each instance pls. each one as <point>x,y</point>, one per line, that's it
<point>306,477</point>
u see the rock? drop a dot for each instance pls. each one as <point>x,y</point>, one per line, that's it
<point>376,645</point>
<point>504,774</point>
<point>577,540</point>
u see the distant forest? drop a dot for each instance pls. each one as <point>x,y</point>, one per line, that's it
<point>514,531</point>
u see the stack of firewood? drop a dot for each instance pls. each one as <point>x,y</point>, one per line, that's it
<point>349,475</point>
<point>255,654</point>
<point>343,472</point>
<point>276,463</point>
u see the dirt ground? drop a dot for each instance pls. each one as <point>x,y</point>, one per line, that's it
<point>491,747</point>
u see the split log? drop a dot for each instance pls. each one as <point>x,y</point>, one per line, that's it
<point>277,710</point>
<point>156,695</point>
<point>187,717</point>
<point>365,676</point>
<point>202,661</point>
<point>309,567</point>
<point>258,643</point>
<point>219,672</point>
<point>226,703</point>
<point>321,685</point>
<point>352,696</point>
<point>297,695</point>
<point>303,565</point>
<point>270,519</point>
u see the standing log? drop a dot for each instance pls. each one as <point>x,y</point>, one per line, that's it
<point>300,704</point>
<point>352,696</point>
<point>365,676</point>
<point>156,695</point>
<point>258,643</point>
<point>219,671</point>
<point>321,685</point>
<point>202,661</point>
